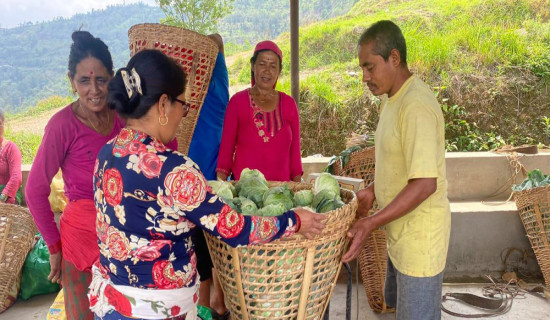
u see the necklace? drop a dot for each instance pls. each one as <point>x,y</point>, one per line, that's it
<point>266,97</point>
<point>88,118</point>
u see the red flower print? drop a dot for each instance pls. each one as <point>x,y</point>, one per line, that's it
<point>230,223</point>
<point>165,277</point>
<point>187,187</point>
<point>151,252</point>
<point>118,301</point>
<point>159,146</point>
<point>96,166</point>
<point>150,164</point>
<point>175,311</point>
<point>136,146</point>
<point>101,228</point>
<point>118,244</point>
<point>112,186</point>
<point>120,148</point>
<point>93,300</point>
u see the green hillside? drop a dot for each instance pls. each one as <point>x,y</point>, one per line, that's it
<point>33,57</point>
<point>488,61</point>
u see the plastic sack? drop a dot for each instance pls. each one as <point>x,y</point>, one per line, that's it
<point>57,197</point>
<point>204,313</point>
<point>57,310</point>
<point>34,278</point>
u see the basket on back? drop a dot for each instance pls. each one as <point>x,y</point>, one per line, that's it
<point>17,230</point>
<point>373,257</point>
<point>289,278</point>
<point>194,52</point>
<point>534,209</point>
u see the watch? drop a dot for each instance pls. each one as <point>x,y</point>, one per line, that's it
<point>3,197</point>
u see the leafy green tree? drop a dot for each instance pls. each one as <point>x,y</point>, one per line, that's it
<point>198,15</point>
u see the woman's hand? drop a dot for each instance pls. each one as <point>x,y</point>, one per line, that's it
<point>221,176</point>
<point>55,263</point>
<point>311,223</point>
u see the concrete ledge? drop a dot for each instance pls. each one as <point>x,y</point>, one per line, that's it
<point>481,235</point>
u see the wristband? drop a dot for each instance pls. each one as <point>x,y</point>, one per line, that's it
<point>298,222</point>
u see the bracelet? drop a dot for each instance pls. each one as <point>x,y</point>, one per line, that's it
<point>298,222</point>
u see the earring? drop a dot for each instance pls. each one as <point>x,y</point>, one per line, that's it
<point>161,122</point>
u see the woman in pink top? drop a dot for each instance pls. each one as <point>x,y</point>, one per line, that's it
<point>261,128</point>
<point>72,139</point>
<point>10,168</point>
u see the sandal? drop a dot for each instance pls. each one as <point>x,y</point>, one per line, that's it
<point>217,316</point>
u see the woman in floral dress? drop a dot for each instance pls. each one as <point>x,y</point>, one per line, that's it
<point>150,200</point>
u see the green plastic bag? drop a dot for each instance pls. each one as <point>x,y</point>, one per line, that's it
<point>204,313</point>
<point>34,278</point>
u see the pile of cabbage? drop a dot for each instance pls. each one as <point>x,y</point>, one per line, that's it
<point>252,196</point>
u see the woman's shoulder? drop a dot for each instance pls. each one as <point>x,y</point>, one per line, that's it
<point>63,116</point>
<point>241,95</point>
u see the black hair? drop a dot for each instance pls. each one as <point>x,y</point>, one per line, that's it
<point>255,57</point>
<point>85,45</point>
<point>386,36</point>
<point>158,73</point>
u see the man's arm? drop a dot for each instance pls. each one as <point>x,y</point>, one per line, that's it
<point>412,195</point>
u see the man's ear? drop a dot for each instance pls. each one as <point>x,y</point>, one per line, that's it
<point>395,57</point>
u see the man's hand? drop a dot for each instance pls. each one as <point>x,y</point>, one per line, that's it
<point>365,201</point>
<point>358,233</point>
<point>55,263</point>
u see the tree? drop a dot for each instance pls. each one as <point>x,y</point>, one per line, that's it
<point>198,15</point>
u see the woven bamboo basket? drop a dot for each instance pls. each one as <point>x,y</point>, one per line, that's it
<point>373,257</point>
<point>194,52</point>
<point>289,278</point>
<point>534,209</point>
<point>17,230</point>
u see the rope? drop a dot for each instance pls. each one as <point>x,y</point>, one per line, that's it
<point>515,168</point>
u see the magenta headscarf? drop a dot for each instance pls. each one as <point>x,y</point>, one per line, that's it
<point>267,45</point>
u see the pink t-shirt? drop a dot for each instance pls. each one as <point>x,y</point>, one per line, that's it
<point>72,146</point>
<point>10,169</point>
<point>246,144</point>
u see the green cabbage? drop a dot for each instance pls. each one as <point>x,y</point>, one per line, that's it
<point>248,206</point>
<point>252,185</point>
<point>325,181</point>
<point>281,195</point>
<point>224,189</point>
<point>272,210</point>
<point>303,198</point>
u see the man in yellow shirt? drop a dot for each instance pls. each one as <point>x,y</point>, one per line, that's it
<point>410,184</point>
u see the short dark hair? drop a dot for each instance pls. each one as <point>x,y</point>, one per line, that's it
<point>158,73</point>
<point>386,36</point>
<point>85,45</point>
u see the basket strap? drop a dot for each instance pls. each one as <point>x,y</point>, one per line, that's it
<point>238,279</point>
<point>5,238</point>
<point>308,272</point>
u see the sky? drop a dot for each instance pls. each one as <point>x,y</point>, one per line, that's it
<point>16,12</point>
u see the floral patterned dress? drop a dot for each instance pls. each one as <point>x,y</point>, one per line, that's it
<point>149,200</point>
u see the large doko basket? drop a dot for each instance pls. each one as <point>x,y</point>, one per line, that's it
<point>194,52</point>
<point>534,210</point>
<point>373,257</point>
<point>289,278</point>
<point>17,230</point>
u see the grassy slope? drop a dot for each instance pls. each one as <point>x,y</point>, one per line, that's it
<point>492,57</point>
